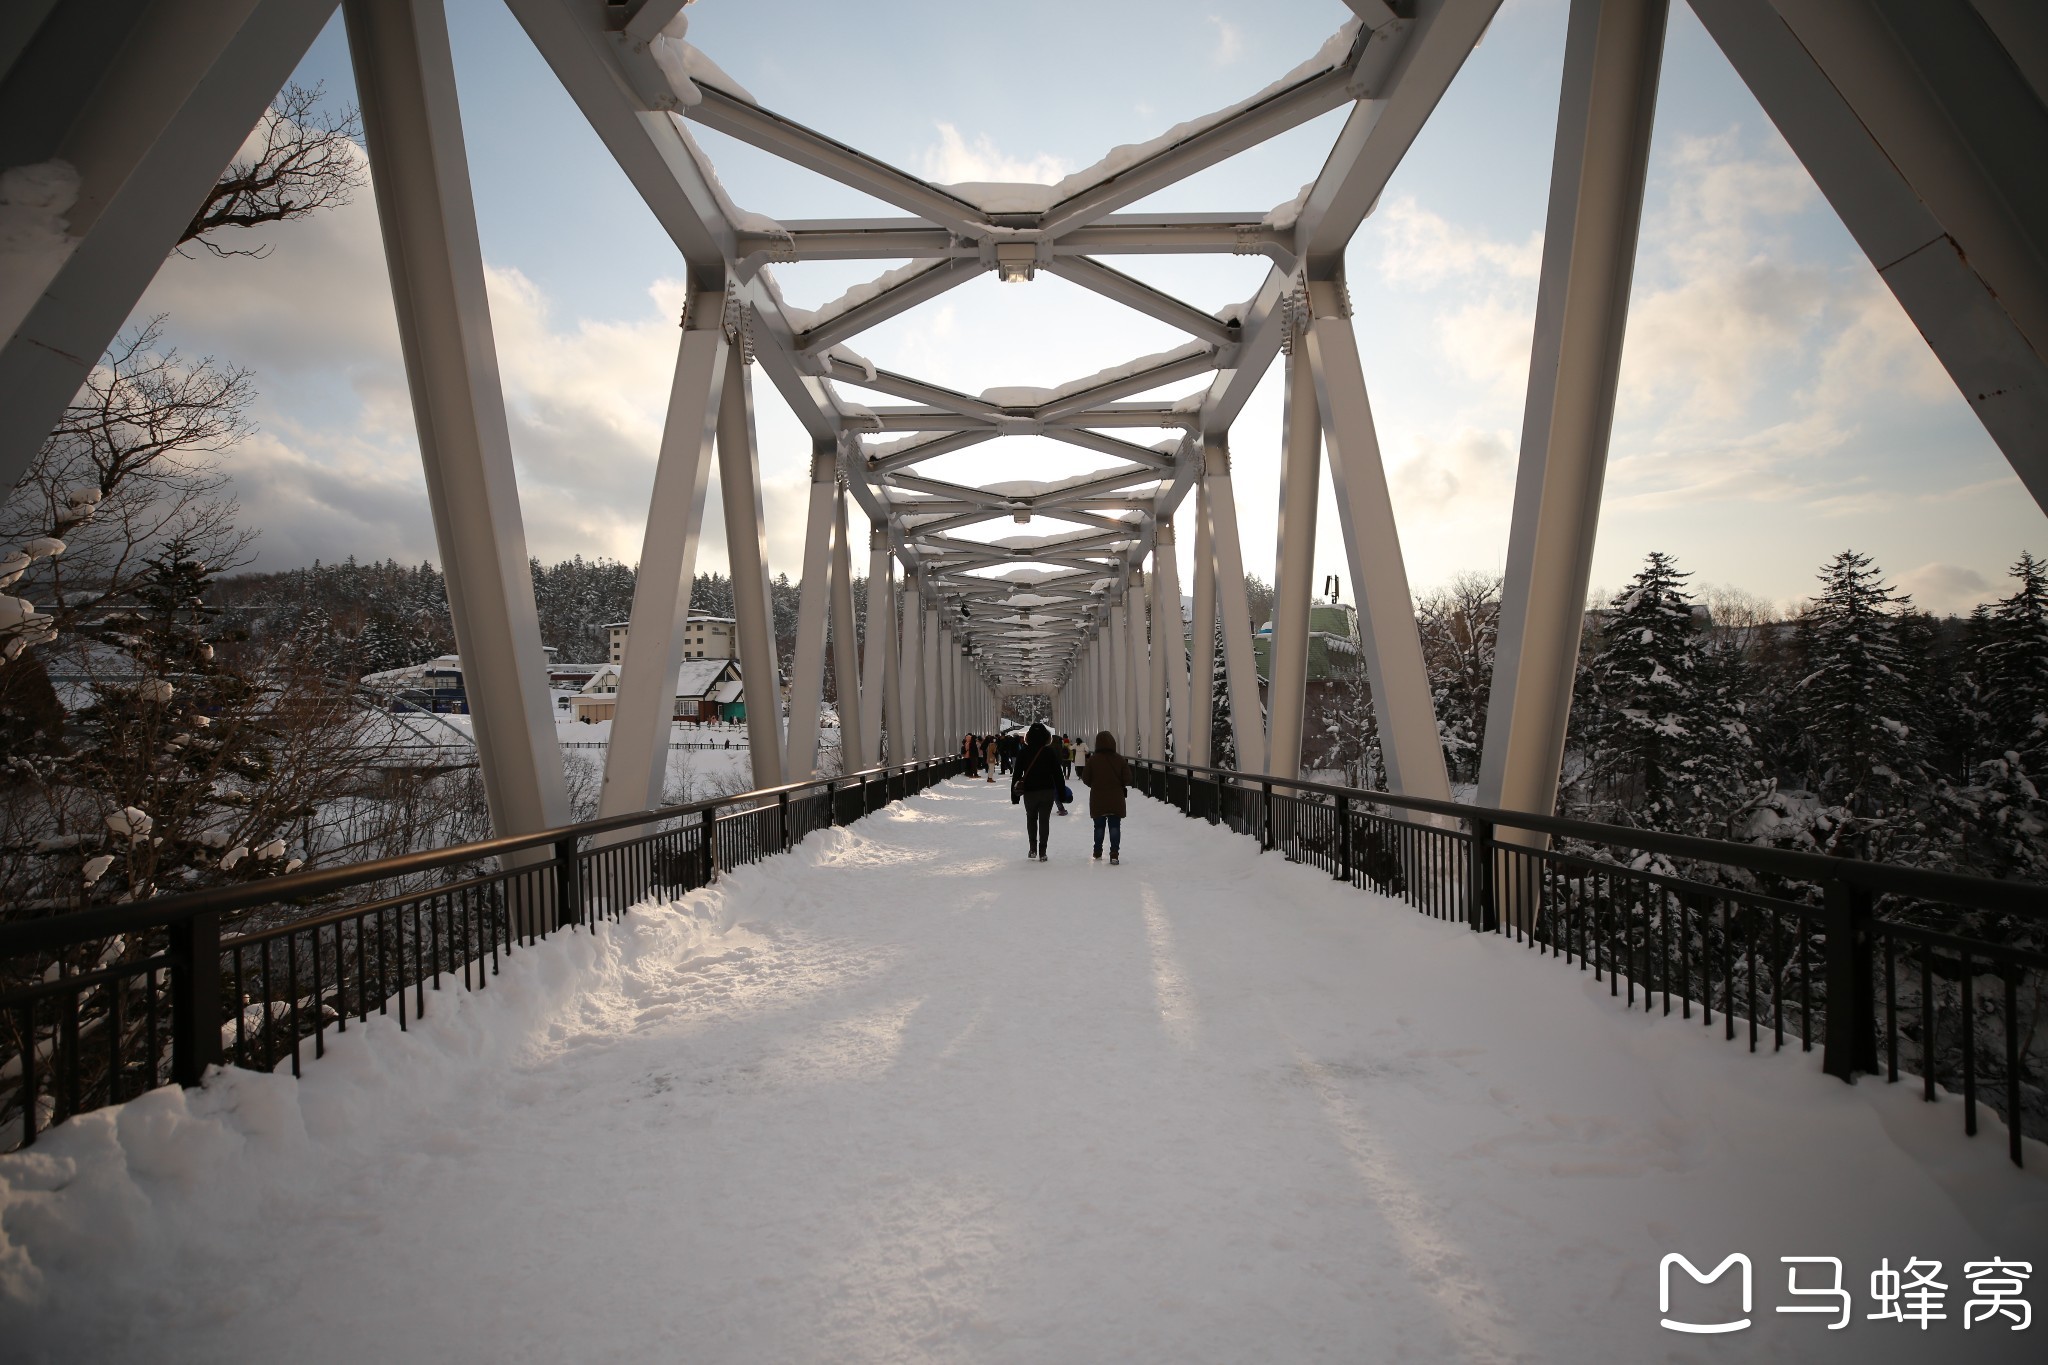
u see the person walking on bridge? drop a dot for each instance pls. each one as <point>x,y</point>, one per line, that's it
<point>1107,777</point>
<point>1037,784</point>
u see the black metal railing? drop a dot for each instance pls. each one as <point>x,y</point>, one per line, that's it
<point>1889,970</point>
<point>100,1005</point>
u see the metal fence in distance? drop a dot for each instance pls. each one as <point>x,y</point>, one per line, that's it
<point>1891,971</point>
<point>98,1006</point>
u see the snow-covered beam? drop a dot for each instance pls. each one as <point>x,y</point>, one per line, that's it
<point>1114,284</point>
<point>1432,49</point>
<point>1191,360</point>
<point>1142,456</point>
<point>807,147</point>
<point>881,462</point>
<point>1259,120</point>
<point>901,296</point>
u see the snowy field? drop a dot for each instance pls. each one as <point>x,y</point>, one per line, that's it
<point>901,1096</point>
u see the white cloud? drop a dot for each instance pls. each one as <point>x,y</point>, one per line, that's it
<point>1423,250</point>
<point>1468,469</point>
<point>1229,41</point>
<point>954,160</point>
<point>334,469</point>
<point>1947,589</point>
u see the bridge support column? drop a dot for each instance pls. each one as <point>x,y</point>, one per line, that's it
<point>1173,644</point>
<point>1140,676</point>
<point>1202,653</point>
<point>910,673</point>
<point>746,541</point>
<point>882,641</point>
<point>807,683</point>
<point>1301,460</point>
<point>853,703</point>
<point>405,78</point>
<point>1240,666</point>
<point>928,745</point>
<point>636,760</point>
<point>875,649</point>
<point>1157,643</point>
<point>1402,701</point>
<point>1612,51</point>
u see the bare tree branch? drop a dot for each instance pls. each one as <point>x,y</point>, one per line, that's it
<point>300,159</point>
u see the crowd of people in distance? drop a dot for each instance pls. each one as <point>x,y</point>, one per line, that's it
<point>1039,764</point>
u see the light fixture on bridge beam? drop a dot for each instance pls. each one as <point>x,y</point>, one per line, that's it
<point>1016,262</point>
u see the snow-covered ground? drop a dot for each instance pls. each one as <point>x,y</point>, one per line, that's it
<point>901,1096</point>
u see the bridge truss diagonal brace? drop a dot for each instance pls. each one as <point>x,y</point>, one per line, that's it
<point>1294,567</point>
<point>147,107</point>
<point>1927,138</point>
<point>405,77</point>
<point>875,687</point>
<point>1612,53</point>
<point>746,542</point>
<point>1240,667</point>
<point>807,676</point>
<point>1200,739</point>
<point>636,761</point>
<point>1405,706</point>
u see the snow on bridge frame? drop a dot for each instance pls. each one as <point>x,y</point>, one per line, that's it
<point>103,1005</point>
<point>1922,123</point>
<point>1873,962</point>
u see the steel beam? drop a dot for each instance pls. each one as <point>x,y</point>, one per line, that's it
<point>145,103</point>
<point>877,691</point>
<point>900,297</point>
<point>806,147</point>
<point>1403,702</point>
<point>1301,460</point>
<point>807,669</point>
<point>1240,666</point>
<point>636,760</point>
<point>746,544</point>
<point>1924,132</point>
<point>1612,53</point>
<point>1202,643</point>
<point>1136,294</point>
<point>405,78</point>
<point>852,705</point>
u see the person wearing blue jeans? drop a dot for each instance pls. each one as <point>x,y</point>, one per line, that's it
<point>1107,777</point>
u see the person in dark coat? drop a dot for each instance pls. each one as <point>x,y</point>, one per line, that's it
<point>1037,782</point>
<point>1108,778</point>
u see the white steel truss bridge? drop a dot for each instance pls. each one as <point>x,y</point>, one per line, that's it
<point>1922,121</point>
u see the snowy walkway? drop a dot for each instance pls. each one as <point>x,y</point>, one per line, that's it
<point>901,1096</point>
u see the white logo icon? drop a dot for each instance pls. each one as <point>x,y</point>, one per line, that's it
<point>1701,1328</point>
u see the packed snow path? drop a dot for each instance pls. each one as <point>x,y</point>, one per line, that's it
<point>902,1096</point>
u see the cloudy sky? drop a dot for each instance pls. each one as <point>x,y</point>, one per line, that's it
<point>1776,405</point>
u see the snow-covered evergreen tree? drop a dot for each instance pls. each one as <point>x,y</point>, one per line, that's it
<point>1663,747</point>
<point>1222,731</point>
<point>1854,710</point>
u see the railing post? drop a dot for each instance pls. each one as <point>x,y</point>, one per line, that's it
<point>709,852</point>
<point>1481,911</point>
<point>1850,1045</point>
<point>195,996</point>
<point>1343,838</point>
<point>831,804</point>
<point>1266,818</point>
<point>782,818</point>
<point>866,802</point>
<point>568,883</point>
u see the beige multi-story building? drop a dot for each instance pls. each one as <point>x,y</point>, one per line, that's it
<point>704,637</point>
